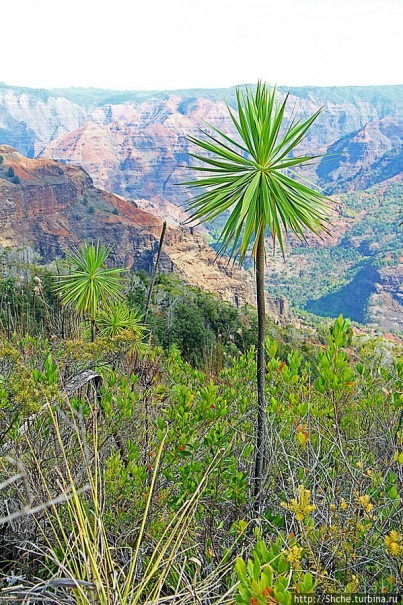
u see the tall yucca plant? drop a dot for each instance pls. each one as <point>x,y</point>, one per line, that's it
<point>251,178</point>
<point>90,284</point>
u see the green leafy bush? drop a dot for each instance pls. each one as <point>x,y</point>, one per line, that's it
<point>155,424</point>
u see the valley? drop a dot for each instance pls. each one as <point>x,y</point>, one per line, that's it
<point>134,145</point>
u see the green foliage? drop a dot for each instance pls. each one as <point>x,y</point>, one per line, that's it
<point>29,304</point>
<point>205,329</point>
<point>118,318</point>
<point>330,516</point>
<point>335,373</point>
<point>156,453</point>
<point>10,172</point>
<point>27,301</point>
<point>27,381</point>
<point>90,284</point>
<point>251,178</point>
<point>273,574</point>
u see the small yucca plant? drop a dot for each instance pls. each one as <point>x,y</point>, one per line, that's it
<point>118,318</point>
<point>90,284</point>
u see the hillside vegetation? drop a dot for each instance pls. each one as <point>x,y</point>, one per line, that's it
<point>365,264</point>
<point>158,445</point>
<point>135,452</point>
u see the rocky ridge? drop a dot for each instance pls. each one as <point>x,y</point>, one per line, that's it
<point>364,158</point>
<point>135,145</point>
<point>54,206</point>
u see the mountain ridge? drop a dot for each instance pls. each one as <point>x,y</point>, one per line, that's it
<point>134,144</point>
<point>53,206</point>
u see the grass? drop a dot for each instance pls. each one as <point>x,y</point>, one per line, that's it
<point>83,565</point>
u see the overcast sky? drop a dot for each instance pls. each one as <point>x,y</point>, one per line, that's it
<point>166,44</point>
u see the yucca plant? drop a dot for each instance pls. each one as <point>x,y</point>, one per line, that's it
<point>90,284</point>
<point>251,178</point>
<point>119,318</point>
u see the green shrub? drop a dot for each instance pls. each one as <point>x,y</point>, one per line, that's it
<point>155,427</point>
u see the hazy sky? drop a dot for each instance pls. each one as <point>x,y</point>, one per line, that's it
<point>161,44</point>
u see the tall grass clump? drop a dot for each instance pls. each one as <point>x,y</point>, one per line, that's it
<point>82,560</point>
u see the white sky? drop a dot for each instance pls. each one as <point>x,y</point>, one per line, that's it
<point>166,44</point>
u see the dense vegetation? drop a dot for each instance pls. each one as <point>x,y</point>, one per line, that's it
<point>193,321</point>
<point>135,452</point>
<point>329,279</point>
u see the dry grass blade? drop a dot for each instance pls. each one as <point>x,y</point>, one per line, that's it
<point>79,551</point>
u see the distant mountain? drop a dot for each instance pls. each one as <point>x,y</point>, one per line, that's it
<point>361,159</point>
<point>134,144</point>
<point>357,272</point>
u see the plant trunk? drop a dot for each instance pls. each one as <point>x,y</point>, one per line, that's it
<point>260,451</point>
<point>154,274</point>
<point>92,330</point>
<point>8,321</point>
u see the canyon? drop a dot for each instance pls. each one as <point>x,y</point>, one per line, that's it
<point>54,206</point>
<point>134,144</point>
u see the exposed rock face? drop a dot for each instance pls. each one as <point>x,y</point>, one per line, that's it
<point>134,143</point>
<point>29,121</point>
<point>140,149</point>
<point>56,205</point>
<point>385,306</point>
<point>198,264</point>
<point>364,158</point>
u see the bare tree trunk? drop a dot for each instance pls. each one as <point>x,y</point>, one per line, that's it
<point>260,452</point>
<point>92,330</point>
<point>150,291</point>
